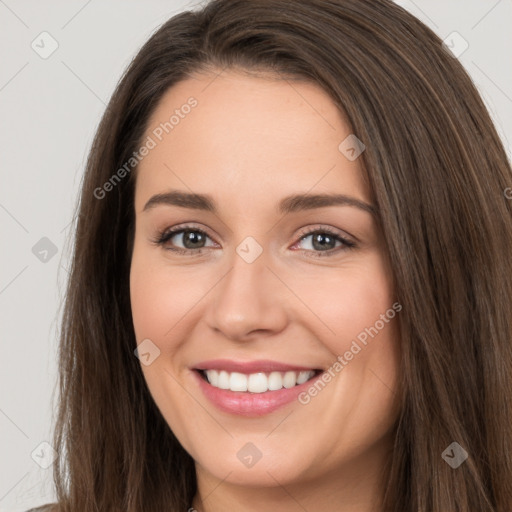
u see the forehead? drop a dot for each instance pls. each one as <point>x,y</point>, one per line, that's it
<point>256,137</point>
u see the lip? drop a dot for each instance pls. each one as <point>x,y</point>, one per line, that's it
<point>250,404</point>
<point>247,367</point>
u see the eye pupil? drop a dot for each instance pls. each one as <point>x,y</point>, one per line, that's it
<point>319,238</point>
<point>194,237</point>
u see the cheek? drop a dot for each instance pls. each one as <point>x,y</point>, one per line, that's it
<point>149,304</point>
<point>349,303</point>
<point>159,295</point>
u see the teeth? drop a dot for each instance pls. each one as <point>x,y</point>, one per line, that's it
<point>238,382</point>
<point>257,382</point>
<point>223,382</point>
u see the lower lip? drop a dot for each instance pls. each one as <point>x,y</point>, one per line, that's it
<point>251,404</point>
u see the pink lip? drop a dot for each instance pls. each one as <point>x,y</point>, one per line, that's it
<point>250,404</point>
<point>248,367</point>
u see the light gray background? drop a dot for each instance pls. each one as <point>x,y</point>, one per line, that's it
<point>49,110</point>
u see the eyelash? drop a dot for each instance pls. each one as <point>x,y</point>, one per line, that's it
<point>164,236</point>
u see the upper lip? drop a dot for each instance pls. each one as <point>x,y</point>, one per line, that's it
<point>260,365</point>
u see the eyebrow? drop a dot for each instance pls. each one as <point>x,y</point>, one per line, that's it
<point>290,204</point>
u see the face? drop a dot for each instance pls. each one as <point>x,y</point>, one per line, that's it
<point>269,324</point>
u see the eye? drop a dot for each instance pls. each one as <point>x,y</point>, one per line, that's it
<point>323,241</point>
<point>191,237</point>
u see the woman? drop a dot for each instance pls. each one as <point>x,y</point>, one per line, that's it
<point>291,285</point>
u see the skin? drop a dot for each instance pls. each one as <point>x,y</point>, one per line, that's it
<point>249,142</point>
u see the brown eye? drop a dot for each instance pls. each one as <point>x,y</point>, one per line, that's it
<point>191,239</point>
<point>323,242</point>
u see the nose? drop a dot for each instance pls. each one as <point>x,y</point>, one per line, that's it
<point>249,301</point>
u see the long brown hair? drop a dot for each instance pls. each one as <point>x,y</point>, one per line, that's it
<point>438,174</point>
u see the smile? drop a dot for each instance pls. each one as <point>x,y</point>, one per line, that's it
<point>239,400</point>
<point>258,382</point>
